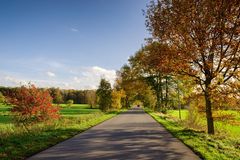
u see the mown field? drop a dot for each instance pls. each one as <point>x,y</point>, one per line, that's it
<point>224,145</point>
<point>16,143</point>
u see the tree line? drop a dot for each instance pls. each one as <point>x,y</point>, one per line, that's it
<point>62,95</point>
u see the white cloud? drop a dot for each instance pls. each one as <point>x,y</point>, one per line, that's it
<point>12,81</point>
<point>110,75</point>
<point>77,80</point>
<point>89,77</point>
<point>67,78</point>
<point>50,74</point>
<point>74,29</point>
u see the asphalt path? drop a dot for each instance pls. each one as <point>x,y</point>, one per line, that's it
<point>130,135</point>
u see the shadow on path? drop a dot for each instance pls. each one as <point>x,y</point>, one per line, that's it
<point>130,135</point>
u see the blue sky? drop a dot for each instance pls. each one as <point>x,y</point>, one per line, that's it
<point>68,43</point>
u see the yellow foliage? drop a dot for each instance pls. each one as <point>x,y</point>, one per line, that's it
<point>116,98</point>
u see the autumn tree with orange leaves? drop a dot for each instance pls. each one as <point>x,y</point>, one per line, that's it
<point>206,36</point>
<point>32,105</point>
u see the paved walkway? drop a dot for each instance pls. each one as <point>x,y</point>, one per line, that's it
<point>130,135</point>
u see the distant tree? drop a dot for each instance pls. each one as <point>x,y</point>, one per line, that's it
<point>124,81</point>
<point>117,96</point>
<point>70,102</point>
<point>72,95</point>
<point>135,87</point>
<point>56,95</point>
<point>205,35</point>
<point>2,98</point>
<point>31,105</point>
<point>104,92</point>
<point>80,96</point>
<point>138,103</point>
<point>91,98</point>
<point>151,65</point>
<point>147,97</point>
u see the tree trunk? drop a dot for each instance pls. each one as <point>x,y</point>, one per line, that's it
<point>166,100</point>
<point>127,103</point>
<point>210,124</point>
<point>179,105</point>
<point>158,108</point>
<point>158,91</point>
<point>161,91</point>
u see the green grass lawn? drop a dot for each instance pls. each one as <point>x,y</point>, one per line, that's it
<point>16,143</point>
<point>76,110</point>
<point>210,147</point>
<point>230,125</point>
<point>5,119</point>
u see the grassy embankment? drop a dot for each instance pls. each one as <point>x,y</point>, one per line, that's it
<point>225,145</point>
<point>16,143</point>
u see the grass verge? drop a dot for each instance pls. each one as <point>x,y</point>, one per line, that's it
<point>208,147</point>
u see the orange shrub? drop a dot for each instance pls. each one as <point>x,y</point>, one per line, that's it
<point>32,105</point>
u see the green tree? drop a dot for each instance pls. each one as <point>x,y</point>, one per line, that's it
<point>104,92</point>
<point>56,95</point>
<point>91,98</point>
<point>125,81</point>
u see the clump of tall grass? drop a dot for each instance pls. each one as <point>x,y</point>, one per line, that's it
<point>193,119</point>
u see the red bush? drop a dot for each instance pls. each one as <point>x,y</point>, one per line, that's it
<point>32,105</point>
